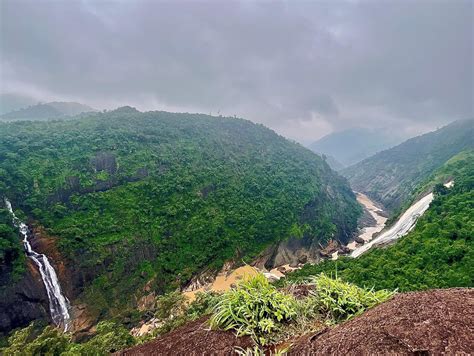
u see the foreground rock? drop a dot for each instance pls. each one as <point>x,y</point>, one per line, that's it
<point>432,322</point>
<point>194,338</point>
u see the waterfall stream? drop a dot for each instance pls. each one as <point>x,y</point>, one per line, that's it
<point>58,303</point>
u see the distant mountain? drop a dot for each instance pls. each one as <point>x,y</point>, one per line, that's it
<point>10,102</point>
<point>353,145</point>
<point>391,176</point>
<point>51,110</point>
<point>333,163</point>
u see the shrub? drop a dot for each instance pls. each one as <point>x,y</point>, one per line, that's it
<point>340,300</point>
<point>204,303</point>
<point>31,341</point>
<point>254,308</point>
<point>111,337</point>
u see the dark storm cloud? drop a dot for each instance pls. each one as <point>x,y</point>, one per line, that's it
<point>302,68</point>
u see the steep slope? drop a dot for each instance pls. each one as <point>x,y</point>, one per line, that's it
<point>51,110</point>
<point>353,145</point>
<point>138,199</point>
<point>438,253</point>
<point>391,176</point>
<point>437,322</point>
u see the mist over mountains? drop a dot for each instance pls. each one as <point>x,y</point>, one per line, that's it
<point>350,146</point>
<point>52,110</point>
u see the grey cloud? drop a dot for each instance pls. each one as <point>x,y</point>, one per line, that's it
<point>302,68</point>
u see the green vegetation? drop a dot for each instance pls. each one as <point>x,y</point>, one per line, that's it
<point>34,340</point>
<point>254,308</point>
<point>391,177</point>
<point>340,300</point>
<point>258,309</point>
<point>12,258</point>
<point>139,197</point>
<point>171,311</point>
<point>438,253</point>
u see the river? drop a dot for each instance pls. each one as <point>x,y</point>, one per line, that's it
<point>403,226</point>
<point>58,303</point>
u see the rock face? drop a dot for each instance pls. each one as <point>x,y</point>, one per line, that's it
<point>296,252</point>
<point>291,252</point>
<point>24,301</point>
<point>194,338</point>
<point>435,322</point>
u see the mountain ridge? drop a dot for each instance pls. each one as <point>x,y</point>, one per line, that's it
<point>51,110</point>
<point>350,146</point>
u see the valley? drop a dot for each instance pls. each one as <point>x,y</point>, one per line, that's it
<point>236,178</point>
<point>119,263</point>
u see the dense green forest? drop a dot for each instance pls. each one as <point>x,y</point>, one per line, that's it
<point>391,176</point>
<point>12,257</point>
<point>438,253</point>
<point>137,197</point>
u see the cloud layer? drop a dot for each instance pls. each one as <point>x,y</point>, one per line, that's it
<point>302,68</point>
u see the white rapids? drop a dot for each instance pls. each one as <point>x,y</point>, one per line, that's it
<point>58,303</point>
<point>403,225</point>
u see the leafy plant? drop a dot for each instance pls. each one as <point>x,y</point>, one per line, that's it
<point>254,308</point>
<point>340,300</point>
<point>30,341</point>
<point>257,351</point>
<point>111,337</point>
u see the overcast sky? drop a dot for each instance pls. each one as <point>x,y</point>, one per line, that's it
<point>302,68</point>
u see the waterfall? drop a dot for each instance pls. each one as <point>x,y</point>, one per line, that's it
<point>58,303</point>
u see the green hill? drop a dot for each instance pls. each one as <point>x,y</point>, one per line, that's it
<point>391,176</point>
<point>438,253</point>
<point>154,198</point>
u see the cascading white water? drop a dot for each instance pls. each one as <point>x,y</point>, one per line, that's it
<point>58,304</point>
<point>403,226</point>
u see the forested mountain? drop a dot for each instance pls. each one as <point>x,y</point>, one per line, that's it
<point>353,145</point>
<point>391,176</point>
<point>438,253</point>
<point>51,110</point>
<point>133,199</point>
